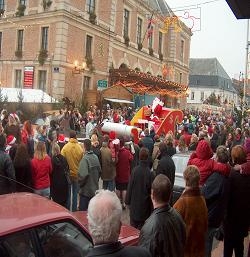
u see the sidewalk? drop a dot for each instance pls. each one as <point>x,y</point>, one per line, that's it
<point>218,248</point>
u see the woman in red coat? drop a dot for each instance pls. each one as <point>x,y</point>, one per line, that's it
<point>123,171</point>
<point>41,169</point>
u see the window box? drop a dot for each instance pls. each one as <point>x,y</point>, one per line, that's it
<point>161,56</point>
<point>19,54</point>
<point>140,46</point>
<point>1,12</point>
<point>92,17</point>
<point>126,40</point>
<point>43,54</point>
<point>46,4</point>
<point>151,51</point>
<point>20,10</point>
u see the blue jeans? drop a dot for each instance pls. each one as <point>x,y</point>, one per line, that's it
<point>43,192</point>
<point>73,194</point>
<point>84,203</point>
<point>109,185</point>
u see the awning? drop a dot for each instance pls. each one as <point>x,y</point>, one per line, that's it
<point>115,100</point>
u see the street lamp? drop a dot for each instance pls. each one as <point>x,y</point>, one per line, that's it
<point>79,68</point>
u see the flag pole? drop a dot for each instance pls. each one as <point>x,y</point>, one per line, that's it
<point>148,27</point>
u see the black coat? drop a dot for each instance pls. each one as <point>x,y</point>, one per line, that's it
<point>164,233</point>
<point>6,171</point>
<point>166,166</point>
<point>237,220</point>
<point>23,175</point>
<point>215,191</point>
<point>118,250</point>
<point>138,192</point>
<point>59,184</point>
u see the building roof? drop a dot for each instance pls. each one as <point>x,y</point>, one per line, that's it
<point>29,95</point>
<point>161,6</point>
<point>207,67</point>
<point>240,8</point>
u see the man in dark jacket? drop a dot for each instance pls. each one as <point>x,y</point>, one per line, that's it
<point>139,190</point>
<point>216,192</point>
<point>104,221</point>
<point>164,232</point>
<point>148,142</point>
<point>88,176</point>
<point>7,172</point>
<point>166,164</point>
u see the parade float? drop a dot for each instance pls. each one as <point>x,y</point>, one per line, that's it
<point>162,120</point>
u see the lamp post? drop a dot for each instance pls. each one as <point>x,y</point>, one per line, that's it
<point>79,68</point>
<point>246,74</point>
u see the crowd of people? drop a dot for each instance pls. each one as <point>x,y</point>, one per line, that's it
<point>215,201</point>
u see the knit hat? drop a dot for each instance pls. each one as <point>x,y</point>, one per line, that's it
<point>247,145</point>
<point>10,140</point>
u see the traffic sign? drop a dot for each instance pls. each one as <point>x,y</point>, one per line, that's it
<point>102,84</point>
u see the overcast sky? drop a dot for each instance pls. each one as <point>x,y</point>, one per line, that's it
<point>218,33</point>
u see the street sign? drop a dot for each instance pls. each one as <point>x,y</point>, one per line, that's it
<point>102,84</point>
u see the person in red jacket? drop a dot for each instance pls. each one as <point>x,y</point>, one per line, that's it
<point>123,171</point>
<point>41,168</point>
<point>202,158</point>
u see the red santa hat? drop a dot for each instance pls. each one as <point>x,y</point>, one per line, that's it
<point>10,140</point>
<point>61,138</point>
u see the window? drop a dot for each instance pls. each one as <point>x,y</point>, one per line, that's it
<point>202,96</point>
<point>160,43</point>
<point>86,82</point>
<point>20,40</point>
<point>18,244</point>
<point>126,23</point>
<point>2,4</point>
<point>44,35</point>
<point>139,31</point>
<point>91,6</point>
<point>63,239</point>
<point>150,37</point>
<point>23,2</point>
<point>42,76</point>
<point>89,40</point>
<point>1,38</point>
<point>18,78</point>
<point>182,50</point>
<point>192,95</point>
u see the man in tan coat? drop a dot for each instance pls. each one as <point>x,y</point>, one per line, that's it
<point>73,153</point>
<point>108,167</point>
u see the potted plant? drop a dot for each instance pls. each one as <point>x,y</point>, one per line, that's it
<point>126,40</point>
<point>43,54</point>
<point>20,10</point>
<point>140,46</point>
<point>92,17</point>
<point>19,54</point>
<point>151,51</point>
<point>161,56</point>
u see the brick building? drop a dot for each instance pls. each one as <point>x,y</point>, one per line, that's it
<point>46,44</point>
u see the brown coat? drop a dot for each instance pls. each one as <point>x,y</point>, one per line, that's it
<point>108,166</point>
<point>192,207</point>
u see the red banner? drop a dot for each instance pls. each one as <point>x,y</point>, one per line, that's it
<point>28,77</point>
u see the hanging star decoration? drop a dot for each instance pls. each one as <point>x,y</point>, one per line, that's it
<point>171,21</point>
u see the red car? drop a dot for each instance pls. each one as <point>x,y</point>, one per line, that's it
<point>33,226</point>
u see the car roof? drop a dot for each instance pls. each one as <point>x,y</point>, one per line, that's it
<point>24,210</point>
